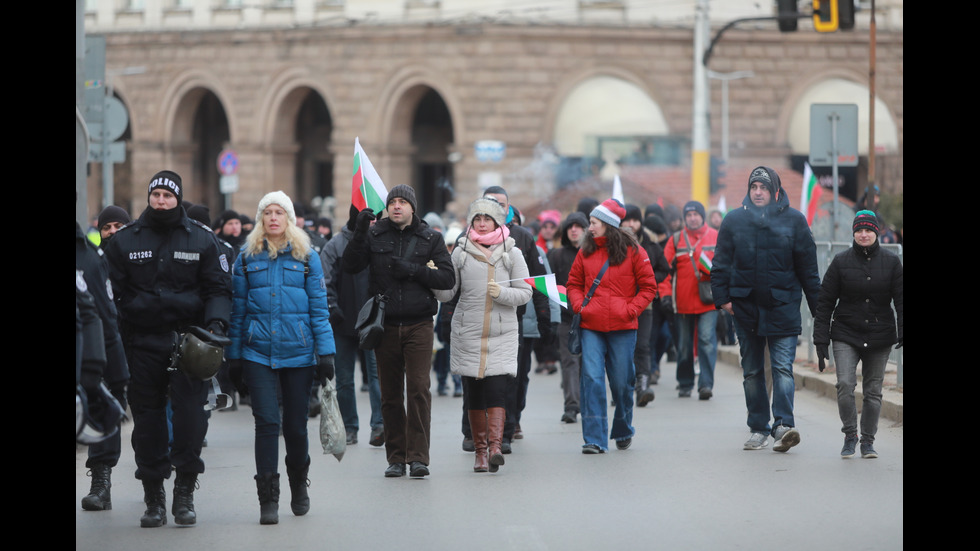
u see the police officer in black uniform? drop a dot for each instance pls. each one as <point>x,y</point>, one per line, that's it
<point>167,274</point>
<point>102,457</point>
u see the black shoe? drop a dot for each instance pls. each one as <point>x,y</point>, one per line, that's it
<point>183,505</point>
<point>99,497</point>
<point>395,470</point>
<point>568,417</point>
<point>377,437</point>
<point>590,449</point>
<point>684,393</point>
<point>644,397</point>
<point>468,445</point>
<point>623,444</point>
<point>505,446</point>
<point>418,469</point>
<point>351,438</point>
<point>155,498</point>
<point>704,394</point>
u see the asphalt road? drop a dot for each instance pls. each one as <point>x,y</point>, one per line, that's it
<point>685,483</point>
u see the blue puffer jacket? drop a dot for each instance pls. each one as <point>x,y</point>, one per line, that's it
<point>279,313</point>
<point>765,261</point>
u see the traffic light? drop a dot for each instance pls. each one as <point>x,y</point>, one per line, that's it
<point>716,174</point>
<point>788,15</point>
<point>830,15</point>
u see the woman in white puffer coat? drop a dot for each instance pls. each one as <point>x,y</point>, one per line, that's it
<point>485,335</point>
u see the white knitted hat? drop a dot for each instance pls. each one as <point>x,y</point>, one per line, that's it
<point>277,198</point>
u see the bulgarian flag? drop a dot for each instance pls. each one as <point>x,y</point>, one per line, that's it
<point>704,262</point>
<point>811,194</point>
<point>548,286</point>
<point>368,189</point>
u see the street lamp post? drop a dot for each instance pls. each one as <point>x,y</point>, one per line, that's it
<point>724,78</point>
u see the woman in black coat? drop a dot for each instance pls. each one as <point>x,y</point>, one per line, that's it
<point>855,312</point>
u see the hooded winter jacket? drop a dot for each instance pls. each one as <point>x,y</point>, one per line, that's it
<point>485,334</point>
<point>765,261</point>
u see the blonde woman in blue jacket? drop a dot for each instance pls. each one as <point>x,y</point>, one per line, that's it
<point>280,338</point>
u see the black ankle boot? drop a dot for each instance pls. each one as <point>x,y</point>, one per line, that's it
<point>155,498</point>
<point>99,498</point>
<point>298,484</point>
<point>268,488</point>
<point>183,506</point>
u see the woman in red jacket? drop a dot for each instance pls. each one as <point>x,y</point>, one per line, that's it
<point>609,322</point>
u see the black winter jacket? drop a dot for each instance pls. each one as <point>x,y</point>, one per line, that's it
<point>856,297</point>
<point>410,300</point>
<point>765,261</point>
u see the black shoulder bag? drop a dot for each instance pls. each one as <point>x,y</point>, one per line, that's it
<point>370,325</point>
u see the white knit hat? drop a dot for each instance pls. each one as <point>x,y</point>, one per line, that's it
<point>277,198</point>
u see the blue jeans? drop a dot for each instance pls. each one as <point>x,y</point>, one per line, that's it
<point>263,385</point>
<point>345,362</point>
<point>706,324</point>
<point>607,354</point>
<point>782,354</point>
<point>873,364</point>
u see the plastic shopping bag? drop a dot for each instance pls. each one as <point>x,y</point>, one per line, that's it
<point>333,434</point>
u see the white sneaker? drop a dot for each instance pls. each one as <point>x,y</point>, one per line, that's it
<point>786,438</point>
<point>757,441</point>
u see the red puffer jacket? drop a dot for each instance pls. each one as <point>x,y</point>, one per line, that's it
<point>623,293</point>
<point>686,247</point>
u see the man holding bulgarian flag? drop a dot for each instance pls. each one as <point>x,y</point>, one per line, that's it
<point>689,253</point>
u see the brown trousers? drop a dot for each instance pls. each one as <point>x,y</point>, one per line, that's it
<point>404,362</point>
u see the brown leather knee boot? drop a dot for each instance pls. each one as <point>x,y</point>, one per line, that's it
<point>495,435</point>
<point>478,425</point>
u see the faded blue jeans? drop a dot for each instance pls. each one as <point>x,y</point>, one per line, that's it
<point>782,354</point>
<point>707,335</point>
<point>607,354</point>
<point>873,364</point>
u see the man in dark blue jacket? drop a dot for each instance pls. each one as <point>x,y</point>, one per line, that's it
<point>765,260</point>
<point>407,259</point>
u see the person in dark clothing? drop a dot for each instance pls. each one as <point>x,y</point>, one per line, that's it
<point>167,275</point>
<point>642,355</point>
<point>765,261</point>
<point>407,260</point>
<point>855,313</point>
<point>561,258</point>
<point>91,266</point>
<point>662,317</point>
<point>111,219</point>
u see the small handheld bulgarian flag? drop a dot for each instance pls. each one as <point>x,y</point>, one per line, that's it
<point>368,191</point>
<point>549,287</point>
<point>704,262</point>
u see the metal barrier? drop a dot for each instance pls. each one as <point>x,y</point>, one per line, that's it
<point>826,251</point>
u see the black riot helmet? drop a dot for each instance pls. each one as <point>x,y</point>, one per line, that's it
<point>97,415</point>
<point>200,352</point>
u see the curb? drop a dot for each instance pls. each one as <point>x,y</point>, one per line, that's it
<point>808,377</point>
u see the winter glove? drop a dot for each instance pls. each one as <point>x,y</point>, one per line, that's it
<point>403,269</point>
<point>667,304</point>
<point>823,354</point>
<point>324,369</point>
<point>217,327</point>
<point>364,221</point>
<point>493,288</point>
<point>236,374</point>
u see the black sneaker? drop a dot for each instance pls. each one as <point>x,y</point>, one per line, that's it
<point>623,444</point>
<point>868,451</point>
<point>351,438</point>
<point>704,394</point>
<point>568,417</point>
<point>591,449</point>
<point>468,444</point>
<point>377,437</point>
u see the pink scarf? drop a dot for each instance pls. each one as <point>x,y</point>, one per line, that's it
<point>498,235</point>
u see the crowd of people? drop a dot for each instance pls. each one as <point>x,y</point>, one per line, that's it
<point>278,296</point>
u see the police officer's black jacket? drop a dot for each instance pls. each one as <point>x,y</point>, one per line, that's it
<point>95,272</point>
<point>166,278</point>
<point>410,300</point>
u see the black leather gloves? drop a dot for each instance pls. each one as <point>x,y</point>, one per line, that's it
<point>236,374</point>
<point>403,269</point>
<point>217,328</point>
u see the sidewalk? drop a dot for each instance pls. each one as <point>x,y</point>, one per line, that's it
<point>809,377</point>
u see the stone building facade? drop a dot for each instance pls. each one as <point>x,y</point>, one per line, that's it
<point>420,97</point>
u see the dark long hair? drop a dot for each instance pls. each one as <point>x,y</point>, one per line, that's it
<point>618,244</point>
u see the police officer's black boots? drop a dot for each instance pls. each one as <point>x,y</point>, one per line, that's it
<point>268,488</point>
<point>183,506</point>
<point>98,498</point>
<point>155,498</point>
<point>298,483</point>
